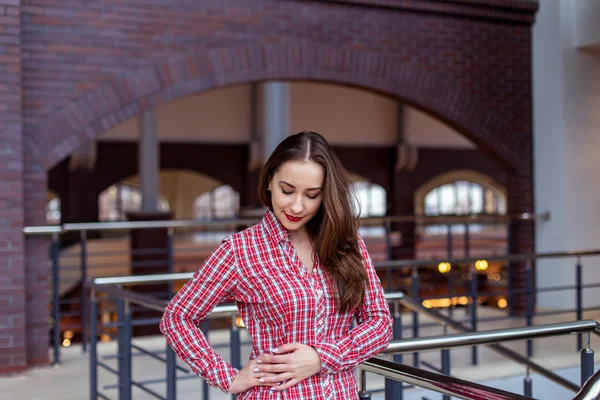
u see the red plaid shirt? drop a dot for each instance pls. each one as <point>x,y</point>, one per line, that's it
<point>280,302</point>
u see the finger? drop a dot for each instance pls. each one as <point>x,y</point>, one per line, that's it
<point>277,378</point>
<point>274,368</point>
<point>287,348</point>
<point>286,385</point>
<point>269,359</point>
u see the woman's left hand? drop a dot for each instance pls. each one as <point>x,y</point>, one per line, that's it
<point>292,363</point>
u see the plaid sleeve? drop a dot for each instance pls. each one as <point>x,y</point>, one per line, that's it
<point>212,283</point>
<point>372,333</point>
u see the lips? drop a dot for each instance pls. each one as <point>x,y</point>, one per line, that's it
<point>293,219</point>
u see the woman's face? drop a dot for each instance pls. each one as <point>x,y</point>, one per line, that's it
<point>296,192</point>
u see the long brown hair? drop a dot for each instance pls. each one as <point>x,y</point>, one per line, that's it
<point>334,228</point>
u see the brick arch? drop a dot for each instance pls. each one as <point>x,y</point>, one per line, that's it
<point>115,102</point>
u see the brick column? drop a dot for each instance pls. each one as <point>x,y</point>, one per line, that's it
<point>13,333</point>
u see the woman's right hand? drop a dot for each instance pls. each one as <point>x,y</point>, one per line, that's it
<point>248,377</point>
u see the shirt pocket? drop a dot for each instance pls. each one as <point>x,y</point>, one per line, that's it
<point>260,294</point>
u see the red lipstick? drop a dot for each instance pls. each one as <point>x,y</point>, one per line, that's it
<point>293,219</point>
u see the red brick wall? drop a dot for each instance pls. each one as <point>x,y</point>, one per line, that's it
<point>13,355</point>
<point>87,66</point>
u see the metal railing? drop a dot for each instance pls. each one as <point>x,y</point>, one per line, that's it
<point>110,286</point>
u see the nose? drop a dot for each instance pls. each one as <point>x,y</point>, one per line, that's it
<point>296,207</point>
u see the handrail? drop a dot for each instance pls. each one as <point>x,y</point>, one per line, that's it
<point>487,337</point>
<point>470,338</point>
<point>460,388</point>
<point>506,352</point>
<point>506,257</point>
<point>127,225</point>
<point>437,382</point>
<point>590,389</point>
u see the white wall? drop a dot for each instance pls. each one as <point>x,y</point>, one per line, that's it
<point>566,84</point>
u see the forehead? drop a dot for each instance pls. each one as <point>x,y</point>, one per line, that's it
<point>301,174</point>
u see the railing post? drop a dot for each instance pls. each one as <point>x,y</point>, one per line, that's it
<point>235,347</point>
<point>170,262</point>
<point>93,349</point>
<point>388,239</point>
<point>363,394</point>
<point>510,270</point>
<point>55,297</point>
<point>450,280</point>
<point>205,327</point>
<point>474,296</point>
<point>529,303</point>
<point>445,361</point>
<point>394,389</point>
<point>415,315</point>
<point>579,298</point>
<point>171,374</point>
<point>127,350</point>
<point>587,360</point>
<point>84,319</point>
<point>124,346</point>
<point>528,384</point>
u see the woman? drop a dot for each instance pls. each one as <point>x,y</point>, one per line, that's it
<point>299,278</point>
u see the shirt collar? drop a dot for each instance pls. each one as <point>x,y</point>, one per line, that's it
<point>275,230</point>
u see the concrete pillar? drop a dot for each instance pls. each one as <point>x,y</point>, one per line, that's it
<point>149,161</point>
<point>276,115</point>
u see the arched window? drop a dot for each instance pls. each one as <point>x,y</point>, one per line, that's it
<point>463,198</point>
<point>221,202</point>
<point>116,201</point>
<point>53,214</point>
<point>371,199</point>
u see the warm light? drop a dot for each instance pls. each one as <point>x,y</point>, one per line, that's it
<point>497,277</point>
<point>105,338</point>
<point>502,303</point>
<point>68,334</point>
<point>444,267</point>
<point>463,300</point>
<point>481,265</point>
<point>66,342</point>
<point>239,322</point>
<point>427,303</point>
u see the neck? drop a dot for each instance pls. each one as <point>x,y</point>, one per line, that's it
<point>298,235</point>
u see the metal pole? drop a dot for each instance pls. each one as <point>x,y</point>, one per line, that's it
<point>55,298</point>
<point>529,304</point>
<point>474,296</point>
<point>388,239</point>
<point>127,351</point>
<point>83,291</point>
<point>510,270</point>
<point>171,374</point>
<point>393,388</point>
<point>170,265</point>
<point>235,347</point>
<point>587,360</point>
<point>363,394</point>
<point>445,362</point>
<point>528,384</point>
<point>93,343</point>
<point>579,298</point>
<point>415,315</point>
<point>450,280</point>
<point>205,388</point>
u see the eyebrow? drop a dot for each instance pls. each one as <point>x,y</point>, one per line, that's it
<point>292,186</point>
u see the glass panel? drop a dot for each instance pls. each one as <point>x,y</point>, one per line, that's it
<point>447,199</point>
<point>476,199</point>
<point>462,195</point>
<point>431,203</point>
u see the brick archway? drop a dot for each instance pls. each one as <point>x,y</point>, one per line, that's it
<point>115,102</point>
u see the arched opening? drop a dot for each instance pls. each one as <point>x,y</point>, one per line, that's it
<point>220,203</point>
<point>119,199</point>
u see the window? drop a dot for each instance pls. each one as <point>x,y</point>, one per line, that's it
<point>116,201</point>
<point>53,214</point>
<point>462,197</point>
<point>221,202</point>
